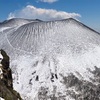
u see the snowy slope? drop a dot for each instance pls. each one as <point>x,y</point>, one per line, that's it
<point>53,60</point>
<point>15,22</point>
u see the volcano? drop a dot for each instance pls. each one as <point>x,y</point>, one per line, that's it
<point>53,60</point>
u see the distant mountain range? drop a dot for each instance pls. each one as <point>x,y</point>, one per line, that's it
<point>53,60</point>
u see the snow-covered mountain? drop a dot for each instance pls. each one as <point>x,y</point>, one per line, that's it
<point>15,22</point>
<point>54,60</point>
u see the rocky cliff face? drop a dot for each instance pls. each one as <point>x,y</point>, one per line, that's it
<point>6,81</point>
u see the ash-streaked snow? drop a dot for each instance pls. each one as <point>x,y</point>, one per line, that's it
<point>44,53</point>
<point>15,22</point>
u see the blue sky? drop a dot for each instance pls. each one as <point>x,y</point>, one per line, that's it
<point>88,10</point>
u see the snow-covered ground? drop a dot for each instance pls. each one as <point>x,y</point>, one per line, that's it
<point>1,98</point>
<point>43,53</point>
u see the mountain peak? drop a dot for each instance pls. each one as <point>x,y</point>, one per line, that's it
<point>16,22</point>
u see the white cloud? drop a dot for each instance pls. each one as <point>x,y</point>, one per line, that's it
<point>11,15</point>
<point>31,12</point>
<point>48,1</point>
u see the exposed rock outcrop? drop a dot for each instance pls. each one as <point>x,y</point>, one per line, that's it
<point>82,89</point>
<point>6,81</point>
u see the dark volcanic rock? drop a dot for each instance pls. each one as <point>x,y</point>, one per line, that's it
<point>84,90</point>
<point>6,81</point>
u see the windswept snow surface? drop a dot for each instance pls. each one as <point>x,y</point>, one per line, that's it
<point>15,22</point>
<point>43,53</point>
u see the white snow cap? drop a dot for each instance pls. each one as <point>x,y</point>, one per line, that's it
<point>1,98</point>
